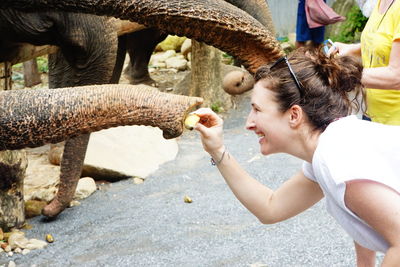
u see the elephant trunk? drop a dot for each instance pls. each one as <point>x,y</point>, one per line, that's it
<point>210,21</point>
<point>31,118</point>
<point>259,9</point>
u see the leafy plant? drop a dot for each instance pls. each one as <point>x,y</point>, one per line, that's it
<point>217,107</point>
<point>350,30</point>
<point>43,65</point>
<point>283,39</point>
<point>227,59</point>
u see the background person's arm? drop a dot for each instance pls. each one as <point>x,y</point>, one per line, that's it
<point>343,49</point>
<point>385,77</point>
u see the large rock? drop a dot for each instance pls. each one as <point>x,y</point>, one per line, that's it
<point>161,57</point>
<point>41,177</point>
<point>86,186</point>
<point>179,63</point>
<point>112,155</point>
<point>186,47</point>
<point>127,151</point>
<point>172,42</point>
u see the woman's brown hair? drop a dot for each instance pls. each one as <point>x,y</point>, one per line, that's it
<point>322,87</point>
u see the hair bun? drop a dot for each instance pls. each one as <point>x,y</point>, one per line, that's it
<point>341,74</point>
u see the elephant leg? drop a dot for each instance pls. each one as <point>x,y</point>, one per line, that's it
<point>88,55</point>
<point>140,46</point>
<point>71,168</point>
<point>74,149</point>
<point>119,62</point>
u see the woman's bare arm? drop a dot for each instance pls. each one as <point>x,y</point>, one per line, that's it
<point>291,198</point>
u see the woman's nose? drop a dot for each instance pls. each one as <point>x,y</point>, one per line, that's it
<point>250,125</point>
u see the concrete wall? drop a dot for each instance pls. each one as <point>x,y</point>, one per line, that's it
<point>284,15</point>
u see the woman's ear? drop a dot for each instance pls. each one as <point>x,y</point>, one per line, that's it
<point>295,116</point>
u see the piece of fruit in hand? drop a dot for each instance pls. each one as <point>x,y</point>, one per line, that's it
<point>191,121</point>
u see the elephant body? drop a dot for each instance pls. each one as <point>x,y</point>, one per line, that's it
<point>87,55</point>
<point>77,36</point>
<point>90,52</point>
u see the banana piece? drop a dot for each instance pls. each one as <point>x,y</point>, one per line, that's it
<point>191,120</point>
<point>187,199</point>
<point>49,238</point>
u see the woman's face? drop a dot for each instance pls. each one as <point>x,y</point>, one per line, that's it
<point>267,121</point>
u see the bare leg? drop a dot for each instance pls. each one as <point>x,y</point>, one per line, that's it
<point>299,44</point>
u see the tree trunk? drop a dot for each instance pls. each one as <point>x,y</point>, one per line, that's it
<point>31,73</point>
<point>12,172</point>
<point>206,76</point>
<point>5,76</point>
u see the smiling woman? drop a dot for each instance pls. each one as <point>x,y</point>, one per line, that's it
<point>301,106</point>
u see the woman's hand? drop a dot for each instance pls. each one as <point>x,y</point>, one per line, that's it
<point>343,49</point>
<point>210,127</point>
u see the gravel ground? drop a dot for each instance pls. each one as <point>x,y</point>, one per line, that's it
<point>125,224</point>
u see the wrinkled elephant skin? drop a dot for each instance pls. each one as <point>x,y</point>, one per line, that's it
<point>32,118</point>
<point>209,21</point>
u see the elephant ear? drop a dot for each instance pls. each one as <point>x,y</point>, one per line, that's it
<point>213,22</point>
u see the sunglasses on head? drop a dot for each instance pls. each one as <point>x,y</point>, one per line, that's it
<point>297,82</point>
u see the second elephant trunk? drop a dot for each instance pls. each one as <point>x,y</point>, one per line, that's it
<point>210,21</point>
<point>31,118</point>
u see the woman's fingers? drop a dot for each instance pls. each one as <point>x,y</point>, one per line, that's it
<point>201,128</point>
<point>208,118</point>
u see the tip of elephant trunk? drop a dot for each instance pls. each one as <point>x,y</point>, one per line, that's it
<point>188,104</point>
<point>237,82</point>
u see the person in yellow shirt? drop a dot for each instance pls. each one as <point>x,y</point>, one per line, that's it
<point>380,53</point>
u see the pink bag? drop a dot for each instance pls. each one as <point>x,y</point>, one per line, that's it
<point>318,14</point>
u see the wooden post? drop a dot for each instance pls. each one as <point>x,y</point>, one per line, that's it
<point>31,73</point>
<point>12,172</point>
<point>206,76</point>
<point>5,76</point>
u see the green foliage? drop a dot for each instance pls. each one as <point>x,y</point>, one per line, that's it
<point>283,39</point>
<point>227,59</point>
<point>350,30</point>
<point>217,107</point>
<point>226,55</point>
<point>43,65</point>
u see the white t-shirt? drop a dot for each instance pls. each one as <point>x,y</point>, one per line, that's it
<point>350,149</point>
